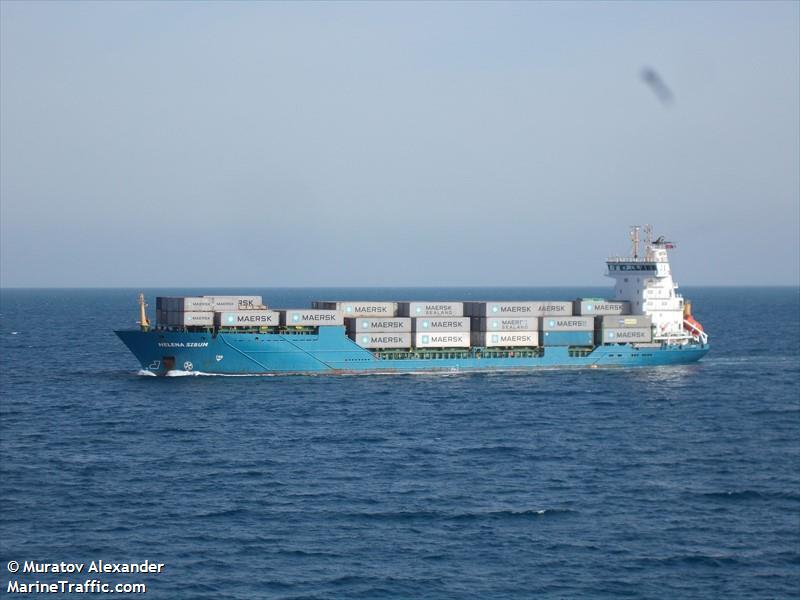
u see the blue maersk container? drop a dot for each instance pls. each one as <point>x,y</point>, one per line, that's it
<point>567,338</point>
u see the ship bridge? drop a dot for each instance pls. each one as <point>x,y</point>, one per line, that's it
<point>645,280</point>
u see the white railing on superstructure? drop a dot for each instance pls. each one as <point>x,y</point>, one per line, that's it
<point>673,337</point>
<point>631,259</point>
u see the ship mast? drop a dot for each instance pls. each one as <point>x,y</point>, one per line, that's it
<point>635,241</point>
<point>144,322</point>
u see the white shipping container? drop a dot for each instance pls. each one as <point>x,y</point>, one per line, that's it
<point>186,304</point>
<point>194,304</point>
<point>601,307</point>
<point>530,308</point>
<point>505,339</point>
<point>381,339</point>
<point>442,339</point>
<point>223,304</point>
<point>440,324</point>
<point>430,309</point>
<point>393,324</point>
<point>505,324</point>
<point>568,324</point>
<point>619,336</point>
<point>359,308</point>
<point>247,318</point>
<point>310,317</point>
<point>190,319</point>
<point>233,303</point>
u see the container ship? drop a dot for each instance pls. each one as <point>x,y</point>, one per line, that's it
<point>646,323</point>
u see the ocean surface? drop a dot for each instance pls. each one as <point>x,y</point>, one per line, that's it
<point>670,482</point>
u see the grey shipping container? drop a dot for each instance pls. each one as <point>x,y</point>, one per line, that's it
<point>505,339</point>
<point>568,324</point>
<point>393,324</point>
<point>444,339</point>
<point>625,321</point>
<point>247,318</point>
<point>190,319</point>
<point>225,303</point>
<point>430,309</point>
<point>381,339</point>
<point>309,317</point>
<point>189,304</point>
<point>618,336</point>
<point>530,308</point>
<point>601,307</point>
<point>440,324</point>
<point>505,324</point>
<point>359,308</point>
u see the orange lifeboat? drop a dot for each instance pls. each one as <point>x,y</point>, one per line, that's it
<point>689,322</point>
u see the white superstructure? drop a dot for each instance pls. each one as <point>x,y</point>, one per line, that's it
<point>646,282</point>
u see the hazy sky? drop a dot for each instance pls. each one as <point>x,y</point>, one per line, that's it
<point>194,143</point>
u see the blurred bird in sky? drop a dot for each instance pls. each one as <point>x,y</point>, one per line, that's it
<point>655,83</point>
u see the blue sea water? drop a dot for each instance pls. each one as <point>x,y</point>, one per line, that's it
<point>672,482</point>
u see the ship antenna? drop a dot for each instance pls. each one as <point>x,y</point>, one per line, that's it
<point>648,235</point>
<point>144,322</point>
<point>635,240</point>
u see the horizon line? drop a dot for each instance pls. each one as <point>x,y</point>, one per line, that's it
<point>365,287</point>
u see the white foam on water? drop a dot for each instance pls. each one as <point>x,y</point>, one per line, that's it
<point>142,372</point>
<point>179,373</point>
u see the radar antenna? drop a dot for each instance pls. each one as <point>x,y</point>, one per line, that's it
<point>648,235</point>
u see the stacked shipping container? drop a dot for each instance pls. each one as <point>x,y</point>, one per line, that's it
<point>533,308</point>
<point>505,339</point>
<point>568,331</point>
<point>310,317</point>
<point>497,324</point>
<point>600,307</point>
<point>620,329</point>
<point>430,309</point>
<point>204,311</point>
<point>376,332</point>
<point>359,308</point>
<point>188,311</point>
<point>442,332</point>
<point>511,324</point>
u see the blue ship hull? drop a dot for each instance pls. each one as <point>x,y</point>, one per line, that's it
<point>329,350</point>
